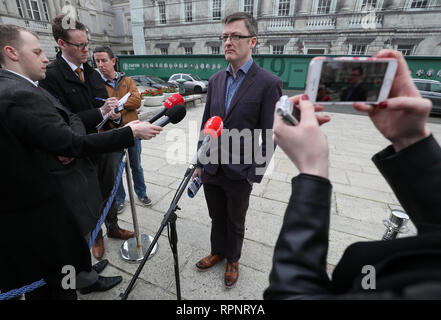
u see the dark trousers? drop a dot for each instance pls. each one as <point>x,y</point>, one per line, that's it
<point>106,176</point>
<point>227,202</point>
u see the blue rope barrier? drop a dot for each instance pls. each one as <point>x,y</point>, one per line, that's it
<point>37,284</point>
<point>109,203</point>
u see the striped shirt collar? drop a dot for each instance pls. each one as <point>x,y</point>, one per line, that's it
<point>245,68</point>
<point>109,81</point>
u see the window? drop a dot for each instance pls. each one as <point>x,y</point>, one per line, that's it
<point>421,86</point>
<point>435,87</point>
<point>278,49</point>
<point>176,77</point>
<point>316,51</point>
<point>283,10</point>
<point>217,9</point>
<point>188,10</point>
<point>20,9</point>
<point>33,10</point>
<point>368,5</point>
<point>419,4</point>
<point>186,78</point>
<point>164,51</point>
<point>406,50</point>
<point>162,13</point>
<point>215,50</point>
<point>248,6</point>
<point>45,10</point>
<point>188,50</point>
<point>358,49</point>
<point>323,6</point>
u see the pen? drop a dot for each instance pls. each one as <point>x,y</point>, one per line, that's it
<point>100,99</point>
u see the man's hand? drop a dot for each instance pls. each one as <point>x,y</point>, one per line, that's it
<point>197,173</point>
<point>402,117</point>
<point>144,130</point>
<point>109,105</point>
<point>114,116</point>
<point>304,144</point>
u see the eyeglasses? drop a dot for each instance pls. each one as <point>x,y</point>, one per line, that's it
<point>233,37</point>
<point>80,46</point>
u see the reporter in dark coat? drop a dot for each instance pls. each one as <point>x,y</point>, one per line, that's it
<point>40,234</point>
<point>37,128</point>
<point>406,268</point>
<point>77,85</point>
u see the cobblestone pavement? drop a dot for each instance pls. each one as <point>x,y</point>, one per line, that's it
<point>361,199</point>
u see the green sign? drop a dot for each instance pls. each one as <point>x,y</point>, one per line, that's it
<point>292,69</point>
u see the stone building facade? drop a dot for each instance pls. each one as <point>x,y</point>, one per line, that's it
<point>359,27</point>
<point>108,23</point>
<point>298,26</point>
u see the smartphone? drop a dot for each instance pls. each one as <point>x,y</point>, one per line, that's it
<point>345,80</point>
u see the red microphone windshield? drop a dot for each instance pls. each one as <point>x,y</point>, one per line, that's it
<point>214,127</point>
<point>174,100</point>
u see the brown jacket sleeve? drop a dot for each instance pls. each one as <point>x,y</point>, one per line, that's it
<point>134,101</point>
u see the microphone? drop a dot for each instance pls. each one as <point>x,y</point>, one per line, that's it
<point>172,101</point>
<point>212,130</point>
<point>173,115</point>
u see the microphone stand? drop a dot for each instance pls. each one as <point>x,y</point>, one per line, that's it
<point>170,220</point>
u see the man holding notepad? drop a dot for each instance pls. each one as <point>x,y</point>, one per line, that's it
<point>118,85</point>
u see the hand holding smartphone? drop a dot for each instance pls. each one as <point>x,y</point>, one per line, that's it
<point>346,80</point>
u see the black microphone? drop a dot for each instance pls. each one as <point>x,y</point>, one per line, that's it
<point>173,115</point>
<point>172,101</point>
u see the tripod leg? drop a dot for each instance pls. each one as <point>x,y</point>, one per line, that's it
<point>174,248</point>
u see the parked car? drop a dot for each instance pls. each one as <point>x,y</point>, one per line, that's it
<point>430,89</point>
<point>192,82</point>
<point>147,82</point>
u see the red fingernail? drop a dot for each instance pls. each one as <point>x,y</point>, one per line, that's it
<point>382,105</point>
<point>305,97</point>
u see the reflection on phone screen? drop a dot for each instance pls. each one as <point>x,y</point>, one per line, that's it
<point>349,81</point>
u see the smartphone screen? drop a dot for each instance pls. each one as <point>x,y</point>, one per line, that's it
<point>351,81</point>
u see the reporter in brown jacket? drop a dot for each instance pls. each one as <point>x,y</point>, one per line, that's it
<point>118,85</point>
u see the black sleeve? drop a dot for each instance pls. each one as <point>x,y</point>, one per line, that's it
<point>414,175</point>
<point>299,261</point>
<point>36,121</point>
<point>91,117</point>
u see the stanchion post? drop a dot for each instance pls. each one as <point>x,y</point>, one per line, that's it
<point>132,199</point>
<point>169,218</point>
<point>133,249</point>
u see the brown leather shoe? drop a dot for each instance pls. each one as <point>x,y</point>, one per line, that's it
<point>120,234</point>
<point>207,262</point>
<point>231,274</point>
<point>98,248</point>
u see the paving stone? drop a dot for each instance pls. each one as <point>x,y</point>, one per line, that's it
<point>360,200</point>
